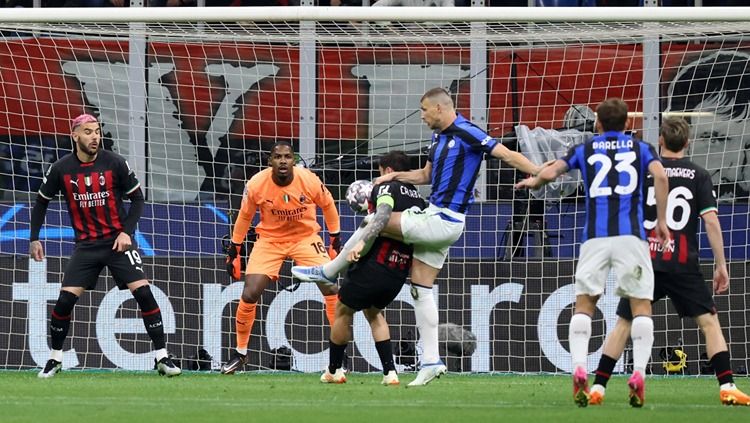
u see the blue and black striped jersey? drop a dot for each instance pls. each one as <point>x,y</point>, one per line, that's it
<point>456,155</point>
<point>613,166</point>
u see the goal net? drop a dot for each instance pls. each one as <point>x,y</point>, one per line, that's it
<point>193,99</point>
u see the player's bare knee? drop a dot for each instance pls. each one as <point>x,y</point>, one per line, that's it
<point>132,286</point>
<point>75,290</point>
<point>373,315</point>
<point>708,323</point>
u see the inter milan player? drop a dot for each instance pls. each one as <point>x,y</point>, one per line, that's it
<point>613,166</point>
<point>677,273</point>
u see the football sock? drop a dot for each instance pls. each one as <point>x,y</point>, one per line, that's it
<point>335,356</point>
<point>60,320</point>
<point>385,352</point>
<point>161,353</point>
<point>243,324</point>
<point>722,368</point>
<point>426,314</point>
<point>151,315</point>
<point>642,334</point>
<point>579,333</point>
<point>340,263</point>
<point>331,301</point>
<point>56,355</point>
<point>604,371</point>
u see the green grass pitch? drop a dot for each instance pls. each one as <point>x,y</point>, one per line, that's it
<point>103,396</point>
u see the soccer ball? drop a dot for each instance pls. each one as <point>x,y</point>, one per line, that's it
<point>358,195</point>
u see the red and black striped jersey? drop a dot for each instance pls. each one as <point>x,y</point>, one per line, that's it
<point>93,192</point>
<point>386,255</point>
<point>691,195</point>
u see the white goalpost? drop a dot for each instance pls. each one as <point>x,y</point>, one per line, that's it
<point>194,97</point>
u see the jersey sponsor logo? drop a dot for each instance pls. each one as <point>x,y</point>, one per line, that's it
<point>289,214</point>
<point>74,182</point>
<point>91,199</point>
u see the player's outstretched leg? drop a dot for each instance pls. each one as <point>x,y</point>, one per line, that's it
<point>166,367</point>
<point>312,274</point>
<point>637,389</point>
<point>50,369</point>
<point>580,387</point>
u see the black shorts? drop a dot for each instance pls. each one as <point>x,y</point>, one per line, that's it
<point>689,293</point>
<point>364,288</point>
<point>87,263</point>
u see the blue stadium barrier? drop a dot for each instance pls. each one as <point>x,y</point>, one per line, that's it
<point>196,230</point>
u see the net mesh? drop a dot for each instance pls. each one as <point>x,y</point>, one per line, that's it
<point>195,106</point>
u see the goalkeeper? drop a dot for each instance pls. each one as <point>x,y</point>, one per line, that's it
<point>676,270</point>
<point>287,197</point>
<point>376,277</point>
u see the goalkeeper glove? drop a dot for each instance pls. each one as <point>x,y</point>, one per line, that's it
<point>334,245</point>
<point>236,253</point>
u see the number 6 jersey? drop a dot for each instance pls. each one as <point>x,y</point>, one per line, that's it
<point>690,196</point>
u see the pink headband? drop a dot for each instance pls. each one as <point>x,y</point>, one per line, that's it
<point>80,120</point>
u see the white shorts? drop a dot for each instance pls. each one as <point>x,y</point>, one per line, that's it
<point>627,255</point>
<point>431,231</point>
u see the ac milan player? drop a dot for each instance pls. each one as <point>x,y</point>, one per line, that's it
<point>94,182</point>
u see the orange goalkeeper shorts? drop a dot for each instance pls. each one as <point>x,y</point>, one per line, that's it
<point>268,256</point>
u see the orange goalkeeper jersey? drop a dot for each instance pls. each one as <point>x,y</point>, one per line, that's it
<point>286,213</point>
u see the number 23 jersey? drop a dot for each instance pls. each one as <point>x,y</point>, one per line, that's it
<point>613,168</point>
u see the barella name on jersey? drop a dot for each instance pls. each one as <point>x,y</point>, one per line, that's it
<point>91,199</point>
<point>612,145</point>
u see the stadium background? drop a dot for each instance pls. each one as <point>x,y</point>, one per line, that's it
<point>45,84</point>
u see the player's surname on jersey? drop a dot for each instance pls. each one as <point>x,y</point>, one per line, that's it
<point>612,145</point>
<point>680,172</point>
